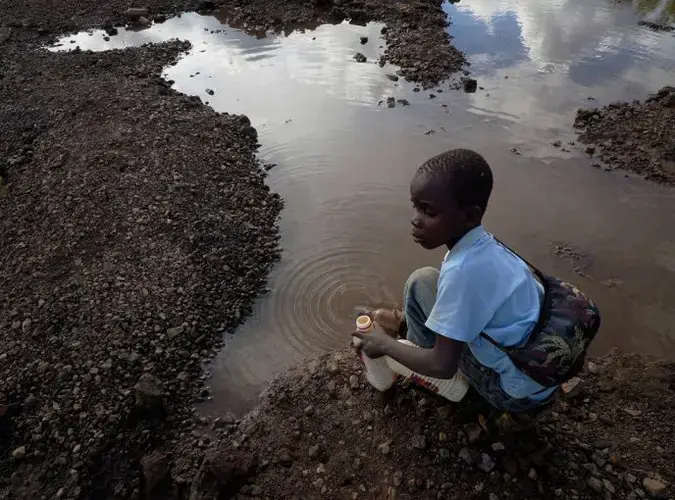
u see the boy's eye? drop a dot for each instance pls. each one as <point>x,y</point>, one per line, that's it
<point>430,212</point>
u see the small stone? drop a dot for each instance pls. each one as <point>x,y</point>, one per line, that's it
<point>143,21</point>
<point>385,448</point>
<point>149,392</point>
<point>573,387</point>
<point>155,468</point>
<point>360,58</point>
<point>532,474</point>
<point>333,368</point>
<point>171,333</point>
<point>486,463</point>
<point>608,485</point>
<point>392,77</point>
<point>403,102</point>
<point>593,368</point>
<point>442,437</point>
<point>391,102</point>
<point>493,496</point>
<point>632,412</point>
<point>135,13</point>
<point>634,440</point>
<point>320,469</point>
<point>469,84</point>
<point>309,411</point>
<point>354,382</point>
<point>473,432</point>
<point>595,484</point>
<point>313,451</point>
<point>631,478</point>
<point>19,453</point>
<point>654,488</point>
<point>660,450</point>
<point>466,455</point>
<point>419,442</point>
<point>363,40</point>
<point>498,446</point>
<point>210,91</point>
<point>26,325</point>
<point>398,478</point>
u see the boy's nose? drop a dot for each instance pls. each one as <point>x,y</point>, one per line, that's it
<point>415,221</point>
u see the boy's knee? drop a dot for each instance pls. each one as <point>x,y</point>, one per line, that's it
<point>425,278</point>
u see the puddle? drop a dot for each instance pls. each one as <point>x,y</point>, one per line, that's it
<point>344,163</point>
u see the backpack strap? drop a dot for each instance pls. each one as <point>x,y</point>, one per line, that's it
<point>545,310</point>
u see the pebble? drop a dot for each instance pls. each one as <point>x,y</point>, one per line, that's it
<point>385,448</point>
<point>354,382</point>
<point>654,488</point>
<point>466,455</point>
<point>608,485</point>
<point>442,437</point>
<point>498,446</point>
<point>486,463</point>
<point>593,368</point>
<point>632,412</point>
<point>333,368</point>
<point>595,484</point>
<point>19,453</point>
<point>309,411</point>
<point>493,496</point>
<point>360,58</point>
<point>26,325</point>
<point>473,432</point>
<point>313,451</point>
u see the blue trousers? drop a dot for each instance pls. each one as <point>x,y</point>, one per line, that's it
<point>419,298</point>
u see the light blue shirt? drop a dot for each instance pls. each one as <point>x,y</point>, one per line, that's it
<point>485,288</point>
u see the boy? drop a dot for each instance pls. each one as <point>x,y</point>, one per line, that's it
<point>481,287</point>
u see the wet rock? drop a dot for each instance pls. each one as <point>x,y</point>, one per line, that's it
<point>655,488</point>
<point>210,91</point>
<point>486,463</point>
<point>135,13</point>
<point>364,40</point>
<point>403,102</point>
<point>159,18</point>
<point>149,393</point>
<point>360,58</point>
<point>469,84</point>
<point>391,102</point>
<point>155,468</point>
<point>392,77</point>
<point>19,453</point>
<point>143,22</point>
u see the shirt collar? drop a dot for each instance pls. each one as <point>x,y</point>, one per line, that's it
<point>468,240</point>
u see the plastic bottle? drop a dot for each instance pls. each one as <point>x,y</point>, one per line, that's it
<point>383,372</point>
<point>378,373</point>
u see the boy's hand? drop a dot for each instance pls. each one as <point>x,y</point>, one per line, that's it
<point>373,344</point>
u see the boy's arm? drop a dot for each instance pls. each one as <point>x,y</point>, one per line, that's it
<point>441,361</point>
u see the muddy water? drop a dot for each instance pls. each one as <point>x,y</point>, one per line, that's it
<point>344,161</point>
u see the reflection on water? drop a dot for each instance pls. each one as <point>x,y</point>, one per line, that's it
<point>345,160</point>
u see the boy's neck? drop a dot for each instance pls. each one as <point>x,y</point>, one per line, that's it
<point>455,240</point>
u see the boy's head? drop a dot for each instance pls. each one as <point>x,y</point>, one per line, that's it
<point>450,193</point>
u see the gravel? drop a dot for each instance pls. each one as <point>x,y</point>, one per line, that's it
<point>635,136</point>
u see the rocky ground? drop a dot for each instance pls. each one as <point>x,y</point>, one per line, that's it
<point>135,229</point>
<point>322,432</point>
<point>636,136</point>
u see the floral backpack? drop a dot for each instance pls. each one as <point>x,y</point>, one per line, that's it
<point>556,348</point>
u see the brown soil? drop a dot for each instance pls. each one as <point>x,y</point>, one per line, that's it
<point>322,432</point>
<point>635,136</point>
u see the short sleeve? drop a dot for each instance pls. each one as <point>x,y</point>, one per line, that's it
<point>460,312</point>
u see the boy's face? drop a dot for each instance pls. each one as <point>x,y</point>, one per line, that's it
<point>438,220</point>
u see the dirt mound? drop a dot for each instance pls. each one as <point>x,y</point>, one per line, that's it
<point>136,229</point>
<point>322,432</point>
<point>636,136</point>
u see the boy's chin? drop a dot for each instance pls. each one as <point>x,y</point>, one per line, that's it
<point>426,245</point>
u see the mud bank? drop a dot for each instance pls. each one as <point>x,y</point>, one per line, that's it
<point>635,136</point>
<point>322,432</point>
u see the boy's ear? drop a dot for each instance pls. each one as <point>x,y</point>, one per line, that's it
<point>474,215</point>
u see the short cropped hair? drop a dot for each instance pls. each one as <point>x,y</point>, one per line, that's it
<point>465,174</point>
